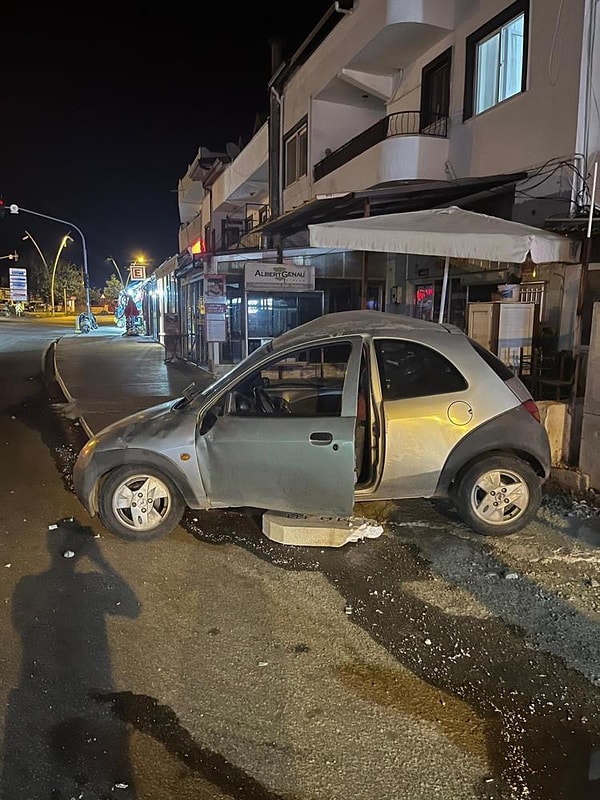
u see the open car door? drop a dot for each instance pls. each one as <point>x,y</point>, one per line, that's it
<point>284,437</point>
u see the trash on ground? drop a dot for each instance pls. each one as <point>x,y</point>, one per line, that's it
<point>361,528</point>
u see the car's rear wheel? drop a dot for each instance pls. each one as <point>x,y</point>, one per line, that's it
<point>139,503</point>
<point>498,495</point>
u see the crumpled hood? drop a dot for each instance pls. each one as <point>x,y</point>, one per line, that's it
<point>153,423</point>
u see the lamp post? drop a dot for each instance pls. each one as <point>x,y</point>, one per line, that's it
<point>110,258</point>
<point>37,247</point>
<point>15,209</point>
<point>66,238</point>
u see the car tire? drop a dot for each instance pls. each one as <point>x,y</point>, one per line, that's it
<point>498,495</point>
<point>119,505</point>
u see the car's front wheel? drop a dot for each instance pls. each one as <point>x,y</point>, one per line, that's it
<point>498,495</point>
<point>139,503</point>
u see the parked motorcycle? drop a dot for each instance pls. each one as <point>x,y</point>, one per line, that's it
<point>87,322</point>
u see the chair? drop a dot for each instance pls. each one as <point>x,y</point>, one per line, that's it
<point>555,376</point>
<point>528,362</point>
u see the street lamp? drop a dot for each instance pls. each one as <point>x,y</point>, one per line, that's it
<point>15,209</point>
<point>37,247</point>
<point>110,258</point>
<point>66,238</point>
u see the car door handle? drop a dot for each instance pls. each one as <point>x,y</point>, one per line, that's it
<point>321,437</point>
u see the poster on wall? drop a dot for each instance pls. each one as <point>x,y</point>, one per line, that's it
<point>215,307</point>
<point>216,322</point>
<point>215,288</point>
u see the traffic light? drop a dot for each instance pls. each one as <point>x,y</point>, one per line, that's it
<point>2,207</point>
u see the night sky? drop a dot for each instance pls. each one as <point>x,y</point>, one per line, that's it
<point>102,113</point>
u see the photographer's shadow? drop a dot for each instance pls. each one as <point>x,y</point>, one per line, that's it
<point>59,742</point>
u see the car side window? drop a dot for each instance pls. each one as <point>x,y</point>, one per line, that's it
<point>307,382</point>
<point>408,369</point>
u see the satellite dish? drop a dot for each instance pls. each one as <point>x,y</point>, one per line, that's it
<point>232,149</point>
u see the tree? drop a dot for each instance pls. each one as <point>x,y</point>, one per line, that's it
<point>69,278</point>
<point>96,297</point>
<point>38,279</point>
<point>112,288</point>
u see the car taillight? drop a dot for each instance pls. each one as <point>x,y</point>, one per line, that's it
<point>529,405</point>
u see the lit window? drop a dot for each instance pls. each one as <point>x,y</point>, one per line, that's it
<point>496,60</point>
<point>499,65</point>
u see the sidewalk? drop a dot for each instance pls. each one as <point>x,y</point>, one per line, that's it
<point>107,376</point>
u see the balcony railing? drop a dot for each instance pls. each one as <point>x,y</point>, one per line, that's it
<point>404,123</point>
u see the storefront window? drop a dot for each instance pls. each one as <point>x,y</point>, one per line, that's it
<point>271,314</point>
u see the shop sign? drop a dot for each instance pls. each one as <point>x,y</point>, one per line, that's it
<point>18,284</point>
<point>278,278</point>
<point>214,308</point>
<point>216,326</point>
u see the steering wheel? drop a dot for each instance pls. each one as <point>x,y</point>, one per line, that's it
<point>282,406</point>
<point>263,401</point>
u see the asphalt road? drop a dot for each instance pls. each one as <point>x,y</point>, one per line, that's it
<point>217,664</point>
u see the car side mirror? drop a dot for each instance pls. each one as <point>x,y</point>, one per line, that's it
<point>209,419</point>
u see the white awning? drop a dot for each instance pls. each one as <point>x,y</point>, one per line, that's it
<point>446,232</point>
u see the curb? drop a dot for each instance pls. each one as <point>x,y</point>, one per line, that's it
<point>68,396</point>
<point>571,479</point>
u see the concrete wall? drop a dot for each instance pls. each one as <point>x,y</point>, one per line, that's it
<point>589,459</point>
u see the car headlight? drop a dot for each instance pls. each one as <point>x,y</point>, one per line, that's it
<point>87,451</point>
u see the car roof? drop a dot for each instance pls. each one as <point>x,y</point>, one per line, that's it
<point>348,323</point>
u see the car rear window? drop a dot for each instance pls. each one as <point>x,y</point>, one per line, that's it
<point>502,371</point>
<point>408,369</point>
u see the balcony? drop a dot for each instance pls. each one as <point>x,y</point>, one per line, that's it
<point>190,233</point>
<point>370,47</point>
<point>404,123</point>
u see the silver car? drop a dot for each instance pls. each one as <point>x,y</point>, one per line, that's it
<point>350,407</point>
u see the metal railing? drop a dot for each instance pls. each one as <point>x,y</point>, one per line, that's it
<point>404,123</point>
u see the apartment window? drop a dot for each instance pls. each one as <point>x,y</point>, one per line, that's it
<point>496,59</point>
<point>435,94</point>
<point>296,153</point>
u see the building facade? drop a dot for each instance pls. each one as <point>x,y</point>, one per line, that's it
<point>392,106</point>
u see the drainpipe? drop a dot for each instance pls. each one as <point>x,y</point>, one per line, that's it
<point>275,133</point>
<point>364,277</point>
<point>213,348</point>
